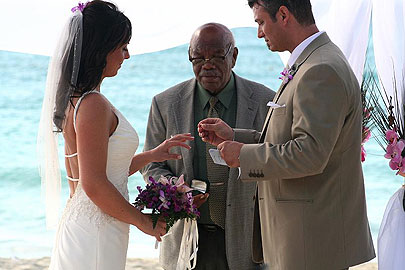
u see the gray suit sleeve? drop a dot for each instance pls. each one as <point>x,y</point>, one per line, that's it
<point>246,135</point>
<point>155,135</point>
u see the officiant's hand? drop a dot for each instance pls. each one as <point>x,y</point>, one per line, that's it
<point>162,151</point>
<point>230,151</point>
<point>214,131</point>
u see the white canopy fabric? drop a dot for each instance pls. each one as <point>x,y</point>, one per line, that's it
<point>389,46</point>
<point>33,26</point>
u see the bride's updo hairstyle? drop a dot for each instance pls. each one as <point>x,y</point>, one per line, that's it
<point>104,29</point>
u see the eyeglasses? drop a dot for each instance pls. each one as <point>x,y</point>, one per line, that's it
<point>215,60</point>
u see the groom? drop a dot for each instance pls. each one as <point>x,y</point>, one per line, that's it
<point>310,205</point>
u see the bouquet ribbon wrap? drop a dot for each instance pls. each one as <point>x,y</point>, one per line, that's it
<point>188,246</point>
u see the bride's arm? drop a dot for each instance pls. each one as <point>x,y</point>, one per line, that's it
<point>160,153</point>
<point>94,121</point>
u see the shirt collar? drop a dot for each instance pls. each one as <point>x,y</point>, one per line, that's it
<point>301,47</point>
<point>225,96</point>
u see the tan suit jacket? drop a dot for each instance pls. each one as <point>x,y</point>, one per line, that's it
<point>311,197</point>
<point>172,112</point>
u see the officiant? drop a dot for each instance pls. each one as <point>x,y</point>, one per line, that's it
<point>225,224</point>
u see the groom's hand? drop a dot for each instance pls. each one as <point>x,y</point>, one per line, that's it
<point>214,131</point>
<point>230,151</point>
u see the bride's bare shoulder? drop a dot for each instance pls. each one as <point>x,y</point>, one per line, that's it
<point>94,108</point>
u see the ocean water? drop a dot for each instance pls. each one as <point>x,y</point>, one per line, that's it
<point>22,82</point>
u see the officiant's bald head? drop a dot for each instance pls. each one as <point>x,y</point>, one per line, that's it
<point>213,54</point>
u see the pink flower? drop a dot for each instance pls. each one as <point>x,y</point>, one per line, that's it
<point>181,186</point>
<point>401,167</point>
<point>391,136</point>
<point>286,75</point>
<point>394,151</point>
<point>363,154</point>
<point>163,180</point>
<point>368,134</point>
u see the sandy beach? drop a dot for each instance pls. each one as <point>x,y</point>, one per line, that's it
<point>43,263</point>
<point>132,264</point>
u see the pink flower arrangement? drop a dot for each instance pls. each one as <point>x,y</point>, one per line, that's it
<point>366,134</point>
<point>394,151</point>
<point>170,199</point>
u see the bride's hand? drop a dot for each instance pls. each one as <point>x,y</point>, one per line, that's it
<point>162,151</point>
<point>146,226</point>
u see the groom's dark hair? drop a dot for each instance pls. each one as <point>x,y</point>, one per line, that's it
<point>301,9</point>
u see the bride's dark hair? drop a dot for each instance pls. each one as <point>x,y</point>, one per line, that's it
<point>105,28</point>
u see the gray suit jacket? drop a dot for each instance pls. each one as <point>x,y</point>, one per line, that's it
<point>172,112</point>
<point>310,182</point>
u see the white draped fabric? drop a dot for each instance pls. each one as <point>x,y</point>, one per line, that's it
<point>391,237</point>
<point>33,26</point>
<point>347,23</point>
<point>389,45</point>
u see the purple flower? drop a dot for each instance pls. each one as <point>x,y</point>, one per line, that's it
<point>79,7</point>
<point>168,198</point>
<point>286,75</point>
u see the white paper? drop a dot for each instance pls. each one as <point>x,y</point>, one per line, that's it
<point>216,157</point>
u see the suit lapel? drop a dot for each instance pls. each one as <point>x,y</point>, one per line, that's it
<point>315,44</point>
<point>270,112</point>
<point>183,110</point>
<point>246,106</point>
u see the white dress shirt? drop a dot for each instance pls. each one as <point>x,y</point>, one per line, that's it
<point>301,47</point>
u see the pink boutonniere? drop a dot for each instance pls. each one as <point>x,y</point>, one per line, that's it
<point>288,74</point>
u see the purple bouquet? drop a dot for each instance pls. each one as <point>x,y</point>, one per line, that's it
<point>170,199</point>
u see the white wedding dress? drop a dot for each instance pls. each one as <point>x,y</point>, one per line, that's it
<point>87,238</point>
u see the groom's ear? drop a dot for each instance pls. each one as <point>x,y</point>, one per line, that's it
<point>283,15</point>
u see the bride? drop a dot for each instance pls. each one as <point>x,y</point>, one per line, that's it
<point>99,144</point>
